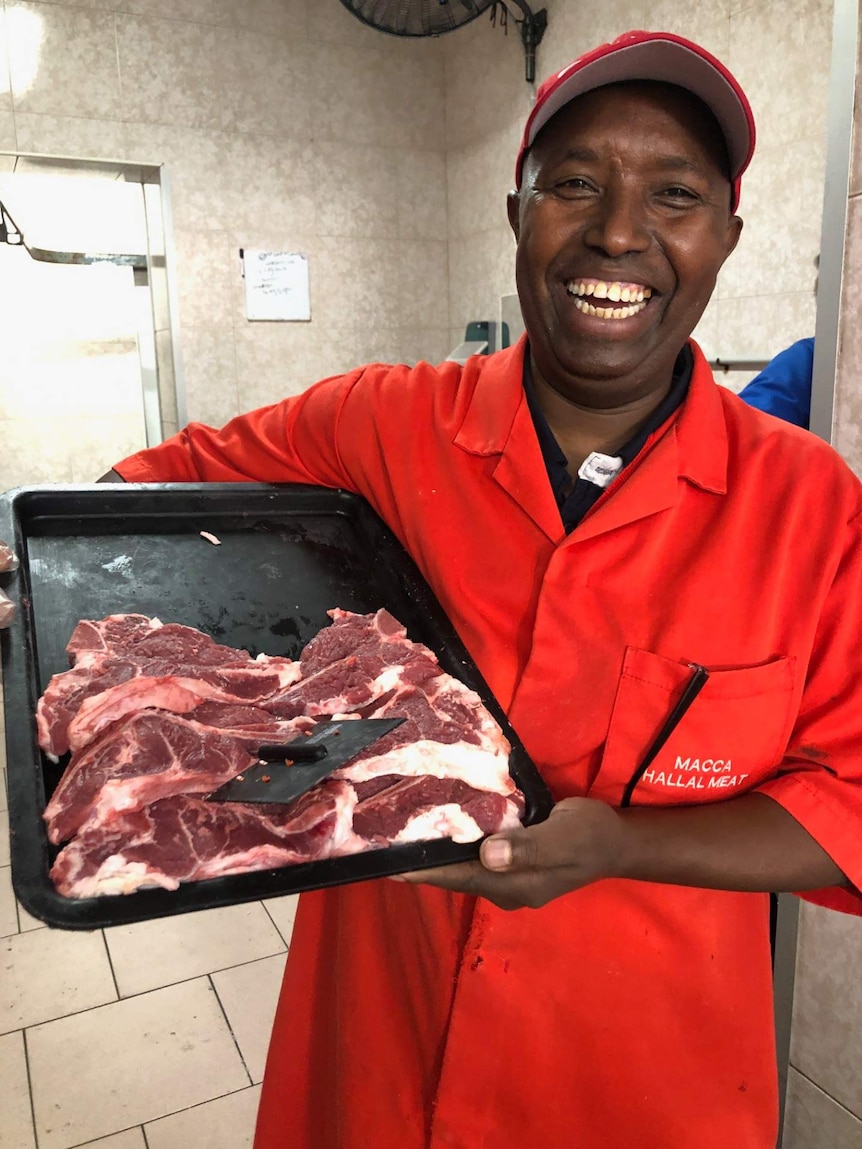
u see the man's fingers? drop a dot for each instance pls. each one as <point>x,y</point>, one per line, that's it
<point>8,558</point>
<point>7,610</point>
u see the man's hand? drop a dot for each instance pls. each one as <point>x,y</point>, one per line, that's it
<point>8,562</point>
<point>578,844</point>
<point>750,843</point>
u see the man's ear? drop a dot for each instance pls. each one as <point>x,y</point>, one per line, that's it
<point>513,207</point>
<point>734,231</point>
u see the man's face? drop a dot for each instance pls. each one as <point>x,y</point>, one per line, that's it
<point>622,224</point>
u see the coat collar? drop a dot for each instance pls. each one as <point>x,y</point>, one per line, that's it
<point>692,445</point>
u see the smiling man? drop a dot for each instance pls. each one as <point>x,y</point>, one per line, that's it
<point>643,570</point>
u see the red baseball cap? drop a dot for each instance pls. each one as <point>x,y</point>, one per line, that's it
<point>652,56</point>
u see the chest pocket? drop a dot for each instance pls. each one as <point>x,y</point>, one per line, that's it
<point>729,740</point>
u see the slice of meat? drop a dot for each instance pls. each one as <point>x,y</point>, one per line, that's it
<point>114,652</point>
<point>184,839</point>
<point>108,635</point>
<point>153,755</point>
<point>428,806</point>
<point>179,693</point>
<point>148,757</point>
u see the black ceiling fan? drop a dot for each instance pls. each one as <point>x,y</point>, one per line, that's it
<point>434,17</point>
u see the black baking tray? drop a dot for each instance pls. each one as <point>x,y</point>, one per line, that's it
<point>287,554</point>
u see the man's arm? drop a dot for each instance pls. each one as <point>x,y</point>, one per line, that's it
<point>750,843</point>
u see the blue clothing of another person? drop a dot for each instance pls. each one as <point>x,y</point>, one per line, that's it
<point>783,387</point>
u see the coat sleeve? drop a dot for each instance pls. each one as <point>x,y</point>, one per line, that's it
<point>820,780</point>
<point>294,441</point>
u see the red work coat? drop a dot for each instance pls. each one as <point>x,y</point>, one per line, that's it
<point>626,1015</point>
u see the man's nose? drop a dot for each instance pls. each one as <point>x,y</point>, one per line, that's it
<point>618,224</point>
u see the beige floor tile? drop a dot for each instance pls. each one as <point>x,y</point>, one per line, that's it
<point>50,973</point>
<point>16,1120</point>
<point>227,1123</point>
<point>249,994</point>
<point>147,955</point>
<point>8,916</point>
<point>128,1139</point>
<point>27,922</point>
<point>283,911</point>
<point>4,802</point>
<point>134,1061</point>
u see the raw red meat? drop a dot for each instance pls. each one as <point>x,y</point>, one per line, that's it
<point>149,756</point>
<point>122,664</point>
<point>184,839</point>
<point>443,773</point>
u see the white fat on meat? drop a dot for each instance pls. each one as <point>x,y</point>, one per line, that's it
<point>479,768</point>
<point>447,821</point>
<point>174,693</point>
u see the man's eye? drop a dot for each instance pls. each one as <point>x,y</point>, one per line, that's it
<point>574,186</point>
<point>676,192</point>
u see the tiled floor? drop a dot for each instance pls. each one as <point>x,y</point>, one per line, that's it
<point>148,1036</point>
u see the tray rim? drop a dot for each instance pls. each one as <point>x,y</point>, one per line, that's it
<point>19,657</point>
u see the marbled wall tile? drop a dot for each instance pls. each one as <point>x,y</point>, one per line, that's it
<point>70,136</point>
<point>172,72</point>
<point>480,271</point>
<point>77,70</point>
<point>208,268</point>
<point>7,131</point>
<point>268,180</point>
<point>706,332</point>
<point>428,344</point>
<point>781,205</point>
<point>329,22</point>
<point>345,93</point>
<point>422,194</point>
<point>573,29</point>
<point>847,419</point>
<point>799,36</point>
<point>760,327</point>
<point>485,86</point>
<point>278,359</point>
<point>420,268</point>
<point>190,11</point>
<point>480,177</point>
<point>266,81</point>
<point>813,1120</point>
<point>826,1038</point>
<point>357,189</point>
<point>209,371</point>
<point>376,95</point>
<point>356,283</point>
<point>285,17</point>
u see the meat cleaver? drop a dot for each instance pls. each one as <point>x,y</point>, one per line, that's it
<point>286,771</point>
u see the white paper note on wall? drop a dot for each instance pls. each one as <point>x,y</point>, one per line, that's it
<point>276,285</point>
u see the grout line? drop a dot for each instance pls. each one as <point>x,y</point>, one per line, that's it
<point>111,966</point>
<point>277,930</point>
<point>30,1088</point>
<point>825,1093</point>
<point>143,1130</point>
<point>230,1028</point>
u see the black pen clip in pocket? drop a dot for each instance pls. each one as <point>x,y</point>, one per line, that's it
<point>693,687</point>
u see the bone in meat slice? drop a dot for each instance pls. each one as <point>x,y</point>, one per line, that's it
<point>185,839</point>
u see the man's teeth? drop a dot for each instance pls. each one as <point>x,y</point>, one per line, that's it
<point>634,295</point>
<point>609,312</point>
